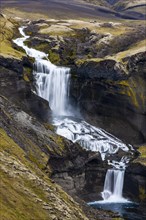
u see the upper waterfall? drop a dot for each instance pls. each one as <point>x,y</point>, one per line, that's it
<point>53,85</point>
<point>52,81</point>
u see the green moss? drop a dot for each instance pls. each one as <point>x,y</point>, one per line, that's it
<point>27,74</point>
<point>8,145</point>
<point>60,142</point>
<point>142,158</point>
<point>16,203</point>
<point>142,193</point>
<point>42,46</point>
<point>134,88</point>
<point>39,44</point>
<point>26,192</point>
<point>49,126</point>
<point>54,57</point>
<point>7,29</point>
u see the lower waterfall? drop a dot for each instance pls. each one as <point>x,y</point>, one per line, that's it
<point>52,84</point>
<point>113,186</point>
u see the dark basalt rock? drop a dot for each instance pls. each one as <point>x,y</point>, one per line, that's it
<point>12,64</point>
<point>135,182</point>
<point>106,69</point>
<point>13,86</point>
<point>113,98</point>
<point>79,172</point>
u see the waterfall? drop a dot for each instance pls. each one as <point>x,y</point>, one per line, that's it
<point>53,85</point>
<point>113,186</point>
<point>52,81</point>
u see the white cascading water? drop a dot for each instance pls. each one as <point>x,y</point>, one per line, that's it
<point>113,186</point>
<point>53,84</point>
<point>52,81</point>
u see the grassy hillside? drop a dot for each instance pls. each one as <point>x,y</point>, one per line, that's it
<point>26,192</point>
<point>7,29</point>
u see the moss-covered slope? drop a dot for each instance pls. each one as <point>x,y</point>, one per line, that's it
<point>26,191</point>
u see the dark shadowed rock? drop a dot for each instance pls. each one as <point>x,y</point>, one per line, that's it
<point>113,98</point>
<point>106,69</point>
<point>79,172</point>
<point>14,86</point>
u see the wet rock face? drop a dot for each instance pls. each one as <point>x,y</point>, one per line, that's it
<point>18,90</point>
<point>135,182</point>
<point>113,95</point>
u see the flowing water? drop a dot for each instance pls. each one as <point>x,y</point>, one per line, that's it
<point>52,84</point>
<point>113,186</point>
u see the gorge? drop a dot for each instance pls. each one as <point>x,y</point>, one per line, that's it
<point>72,110</point>
<point>52,84</point>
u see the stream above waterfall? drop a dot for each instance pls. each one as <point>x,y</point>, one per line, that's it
<point>52,84</point>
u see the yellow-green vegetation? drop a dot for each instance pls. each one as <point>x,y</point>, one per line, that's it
<point>9,146</point>
<point>142,158</point>
<point>27,74</point>
<point>49,126</point>
<point>7,28</point>
<point>133,49</point>
<point>100,27</point>
<point>118,219</point>
<point>56,30</point>
<point>26,192</point>
<point>60,142</point>
<point>55,143</point>
<point>142,193</point>
<point>79,62</point>
<point>12,12</point>
<point>134,88</point>
<point>54,57</point>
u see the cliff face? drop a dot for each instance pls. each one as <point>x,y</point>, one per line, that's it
<point>116,92</point>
